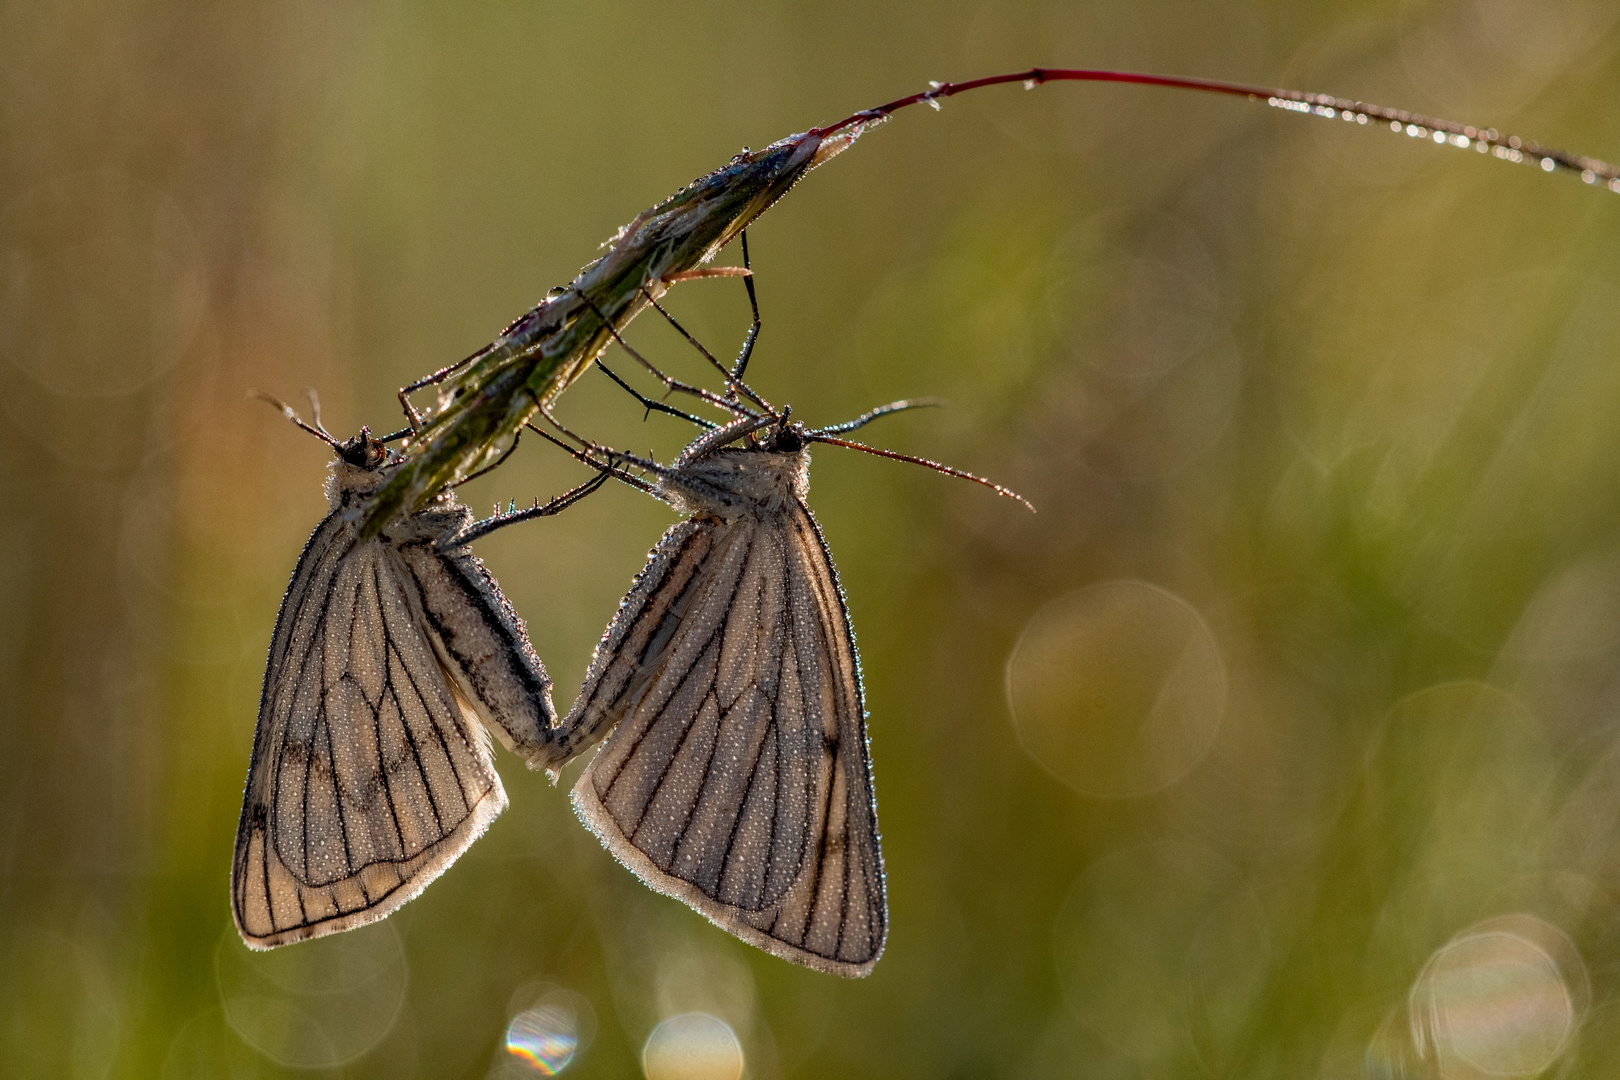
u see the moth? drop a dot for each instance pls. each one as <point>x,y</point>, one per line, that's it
<point>392,662</point>
<point>736,774</point>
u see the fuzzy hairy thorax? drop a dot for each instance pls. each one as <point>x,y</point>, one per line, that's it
<point>736,482</point>
<point>358,469</point>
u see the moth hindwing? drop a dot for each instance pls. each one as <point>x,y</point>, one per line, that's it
<point>736,776</point>
<point>391,663</point>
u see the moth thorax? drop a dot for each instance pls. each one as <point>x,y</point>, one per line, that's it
<point>735,482</point>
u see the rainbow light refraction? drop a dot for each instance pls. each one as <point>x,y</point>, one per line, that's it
<point>544,1037</point>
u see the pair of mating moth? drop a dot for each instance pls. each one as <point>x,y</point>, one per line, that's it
<point>735,774</point>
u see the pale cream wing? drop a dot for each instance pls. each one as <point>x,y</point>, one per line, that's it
<point>366,780</point>
<point>737,778</point>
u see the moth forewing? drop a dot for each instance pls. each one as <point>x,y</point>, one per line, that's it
<point>736,775</point>
<point>392,661</point>
<point>478,635</point>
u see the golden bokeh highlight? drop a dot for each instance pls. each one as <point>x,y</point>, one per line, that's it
<point>692,1046</point>
<point>1117,690</point>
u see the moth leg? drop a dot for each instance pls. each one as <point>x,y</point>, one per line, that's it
<point>413,418</point>
<point>605,469</point>
<point>606,457</point>
<point>746,272</point>
<point>734,385</point>
<point>591,446</point>
<point>732,375</point>
<point>497,463</point>
<point>669,382</point>
<point>741,365</point>
<point>651,405</point>
<point>704,272</point>
<point>480,529</point>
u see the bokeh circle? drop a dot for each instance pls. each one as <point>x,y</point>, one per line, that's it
<point>318,1004</point>
<point>1118,690</point>
<point>692,1046</point>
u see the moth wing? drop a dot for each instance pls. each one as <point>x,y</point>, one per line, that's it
<point>738,778</point>
<point>367,780</point>
<point>483,643</point>
<point>640,629</point>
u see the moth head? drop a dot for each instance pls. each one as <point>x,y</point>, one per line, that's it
<point>788,437</point>
<point>364,451</point>
<point>360,460</point>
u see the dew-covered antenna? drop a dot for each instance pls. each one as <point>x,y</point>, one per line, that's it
<point>287,410</point>
<point>960,474</point>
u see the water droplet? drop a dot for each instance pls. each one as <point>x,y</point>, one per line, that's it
<point>692,1046</point>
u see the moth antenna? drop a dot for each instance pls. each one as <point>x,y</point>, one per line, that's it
<point>315,411</point>
<point>936,466</point>
<point>882,410</point>
<point>402,433</point>
<point>288,411</point>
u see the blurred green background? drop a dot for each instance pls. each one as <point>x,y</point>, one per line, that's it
<point>1282,742</point>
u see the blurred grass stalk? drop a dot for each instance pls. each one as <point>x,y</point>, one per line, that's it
<point>484,402</point>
